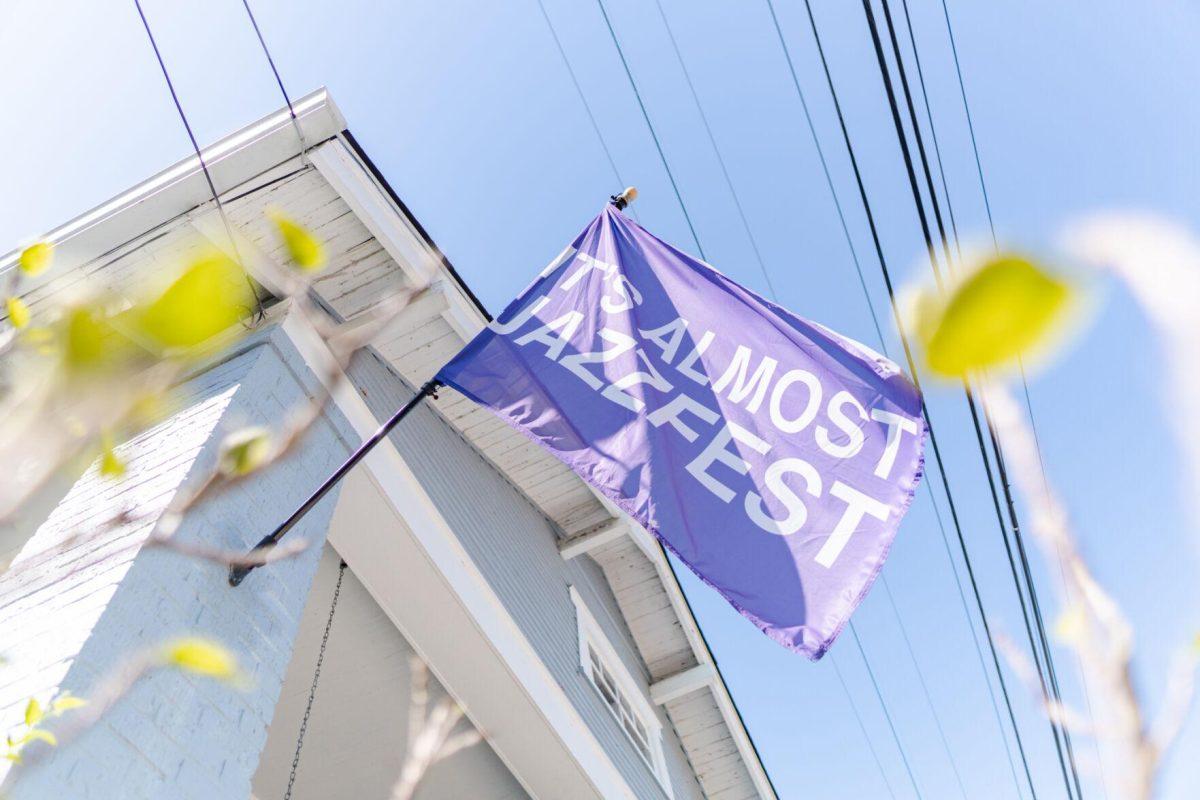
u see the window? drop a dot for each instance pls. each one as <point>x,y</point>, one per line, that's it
<point>620,692</point>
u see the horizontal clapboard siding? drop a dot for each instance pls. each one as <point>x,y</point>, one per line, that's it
<point>515,547</point>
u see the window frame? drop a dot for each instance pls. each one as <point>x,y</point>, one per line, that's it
<point>629,700</point>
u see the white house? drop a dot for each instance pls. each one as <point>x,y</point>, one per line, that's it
<point>554,622</point>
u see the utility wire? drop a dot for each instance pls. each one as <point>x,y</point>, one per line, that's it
<point>278,80</point>
<point>1061,735</point>
<point>812,129</point>
<point>912,369</point>
<point>717,151</point>
<point>937,150</point>
<point>937,720</point>
<point>679,197</point>
<point>587,107</point>
<point>916,380</point>
<point>650,125</point>
<point>891,725</point>
<point>991,224</point>
<point>883,344</point>
<point>987,204</point>
<point>259,313</point>
<point>683,207</point>
<point>774,296</point>
<point>925,231</point>
<point>861,726</point>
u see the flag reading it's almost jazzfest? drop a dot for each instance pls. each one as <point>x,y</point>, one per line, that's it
<point>771,455</point>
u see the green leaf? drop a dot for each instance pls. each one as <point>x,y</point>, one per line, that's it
<point>244,451</point>
<point>111,465</point>
<point>303,248</point>
<point>18,312</point>
<point>66,702</point>
<point>37,734</point>
<point>36,258</point>
<point>87,338</point>
<point>209,297</point>
<point>1006,307</point>
<point>202,657</point>
<point>33,712</point>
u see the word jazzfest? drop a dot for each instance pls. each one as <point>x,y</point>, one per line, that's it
<point>757,429</point>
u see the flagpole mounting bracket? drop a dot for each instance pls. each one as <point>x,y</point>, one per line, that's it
<point>624,198</point>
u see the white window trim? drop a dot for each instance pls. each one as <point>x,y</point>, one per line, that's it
<point>591,634</point>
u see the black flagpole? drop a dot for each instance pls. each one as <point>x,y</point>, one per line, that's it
<point>238,573</point>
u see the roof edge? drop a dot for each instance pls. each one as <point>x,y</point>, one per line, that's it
<point>232,161</point>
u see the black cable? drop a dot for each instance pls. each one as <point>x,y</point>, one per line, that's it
<point>812,129</point>
<point>717,151</point>
<point>278,80</point>
<point>933,500</point>
<point>587,107</point>
<point>937,149</point>
<point>653,134</point>
<point>987,204</point>
<point>997,452</point>
<point>861,726</point>
<point>1061,735</point>
<point>937,720</point>
<point>259,312</point>
<point>886,714</point>
<point>916,380</point>
<point>774,295</point>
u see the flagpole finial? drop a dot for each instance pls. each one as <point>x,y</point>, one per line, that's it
<point>624,198</point>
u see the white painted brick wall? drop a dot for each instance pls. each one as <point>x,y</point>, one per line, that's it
<point>68,618</point>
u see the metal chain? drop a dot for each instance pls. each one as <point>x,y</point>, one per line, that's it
<point>312,693</point>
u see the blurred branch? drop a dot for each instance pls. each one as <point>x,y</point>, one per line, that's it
<point>1101,635</point>
<point>431,736</point>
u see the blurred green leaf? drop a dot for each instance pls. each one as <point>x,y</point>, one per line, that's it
<point>1003,309</point>
<point>66,702</point>
<point>33,712</point>
<point>111,465</point>
<point>202,657</point>
<point>209,297</point>
<point>90,341</point>
<point>36,258</point>
<point>37,734</point>
<point>244,451</point>
<point>303,248</point>
<point>18,312</point>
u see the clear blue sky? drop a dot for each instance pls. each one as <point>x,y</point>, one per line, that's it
<point>468,111</point>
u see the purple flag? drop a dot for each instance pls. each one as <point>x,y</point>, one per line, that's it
<point>774,457</point>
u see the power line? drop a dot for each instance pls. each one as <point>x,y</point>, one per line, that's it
<point>997,452</point>
<point>587,107</point>
<point>774,295</point>
<point>886,714</point>
<point>259,312</point>
<point>995,244</point>
<point>812,129</point>
<point>916,380</point>
<point>883,344</point>
<point>1061,735</point>
<point>861,726</point>
<point>912,369</point>
<point>683,207</point>
<point>937,150</point>
<point>278,80</point>
<point>650,125</point>
<point>717,151</point>
<point>987,204</point>
<point>937,720</point>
